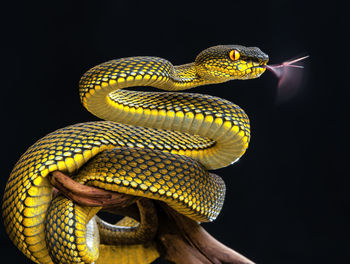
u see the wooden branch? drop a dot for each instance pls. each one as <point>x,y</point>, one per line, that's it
<point>182,240</point>
<point>87,195</point>
<point>179,239</point>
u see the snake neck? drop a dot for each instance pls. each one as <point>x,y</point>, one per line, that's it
<point>190,75</point>
<point>185,77</point>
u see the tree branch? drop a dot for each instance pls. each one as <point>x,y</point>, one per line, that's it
<point>182,240</point>
<point>87,195</point>
<point>179,239</point>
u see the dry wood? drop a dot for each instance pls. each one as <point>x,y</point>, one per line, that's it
<point>87,195</point>
<point>179,239</point>
<point>182,240</point>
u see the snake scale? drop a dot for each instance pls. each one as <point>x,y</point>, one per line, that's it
<point>158,145</point>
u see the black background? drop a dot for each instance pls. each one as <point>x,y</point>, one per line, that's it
<point>287,197</point>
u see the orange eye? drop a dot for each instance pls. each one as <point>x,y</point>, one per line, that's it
<point>234,55</point>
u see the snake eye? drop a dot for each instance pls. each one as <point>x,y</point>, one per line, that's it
<point>234,55</point>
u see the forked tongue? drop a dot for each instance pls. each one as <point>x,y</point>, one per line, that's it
<point>289,77</point>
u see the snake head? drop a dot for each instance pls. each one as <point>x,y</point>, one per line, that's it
<point>229,62</point>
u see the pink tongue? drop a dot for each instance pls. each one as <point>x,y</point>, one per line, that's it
<point>289,77</point>
<point>278,69</point>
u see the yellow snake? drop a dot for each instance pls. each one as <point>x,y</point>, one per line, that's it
<point>157,145</point>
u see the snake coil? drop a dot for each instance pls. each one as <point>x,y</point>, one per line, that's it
<point>158,145</point>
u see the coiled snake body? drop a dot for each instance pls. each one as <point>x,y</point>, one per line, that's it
<point>158,145</point>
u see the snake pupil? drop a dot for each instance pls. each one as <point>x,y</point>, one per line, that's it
<point>234,55</point>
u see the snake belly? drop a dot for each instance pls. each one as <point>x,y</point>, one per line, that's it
<point>211,131</point>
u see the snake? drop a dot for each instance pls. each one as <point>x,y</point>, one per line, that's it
<point>158,145</point>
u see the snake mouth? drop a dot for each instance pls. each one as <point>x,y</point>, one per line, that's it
<point>256,70</point>
<point>262,66</point>
<point>259,64</point>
